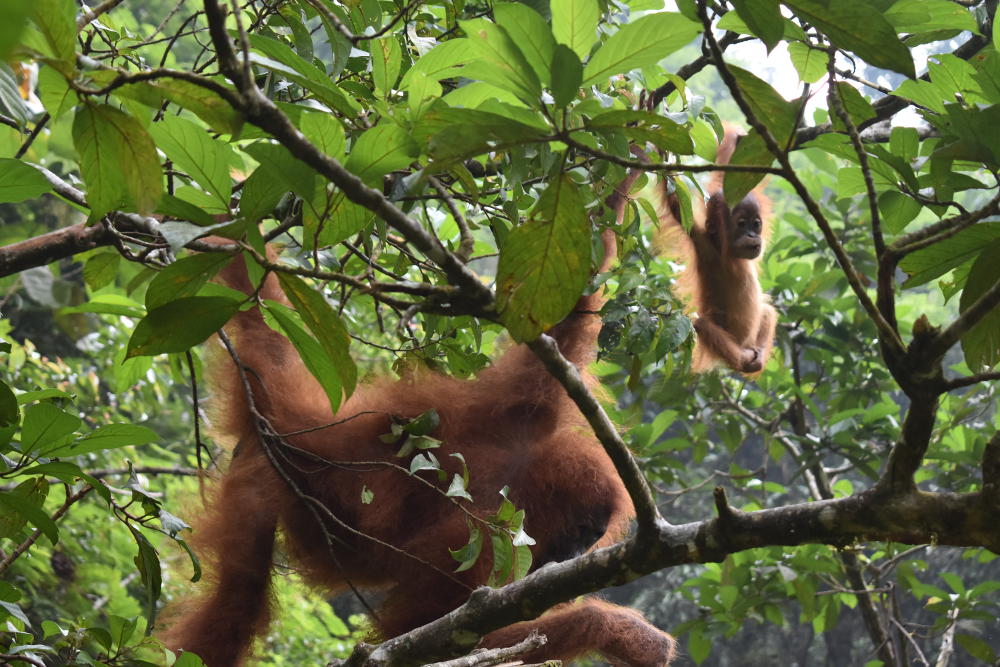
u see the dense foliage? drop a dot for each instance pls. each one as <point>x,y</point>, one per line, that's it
<point>435,173</point>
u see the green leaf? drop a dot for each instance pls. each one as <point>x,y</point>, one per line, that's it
<point>56,19</point>
<point>54,92</point>
<point>381,150</point>
<point>109,436</point>
<point>809,63</point>
<point>923,16</point>
<point>468,554</point>
<point>531,33</point>
<point>260,194</point>
<point>857,107</point>
<point>386,60</point>
<point>174,207</point>
<point>981,344</point>
<point>69,473</point>
<point>344,220</point>
<point>184,278</point>
<point>286,321</point>
<point>280,58</point>
<point>197,154</point>
<point>750,150</point>
<point>10,415</point>
<point>642,43</point>
<point>644,126</point>
<point>897,209</point>
<point>767,103</point>
<point>455,134</point>
<point>325,325</point>
<point>567,75</point>
<point>109,304</point>
<point>977,647</point>
<point>204,103</point>
<point>282,167</point>
<point>574,23</point>
<point>33,513</point>
<point>118,161</point>
<point>544,263</point>
<point>148,564</point>
<point>423,93</point>
<point>101,269</point>
<point>180,325</point>
<point>15,16</point>
<point>500,61</point>
<point>699,645</point>
<point>443,61</point>
<point>20,181</point>
<point>858,26</point>
<point>46,425</point>
<point>764,18</point>
<point>325,132</point>
<point>934,261</point>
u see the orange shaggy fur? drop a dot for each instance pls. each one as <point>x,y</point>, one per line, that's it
<point>734,317</point>
<point>514,425</point>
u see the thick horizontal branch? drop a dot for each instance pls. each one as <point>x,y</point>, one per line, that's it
<point>915,517</point>
<point>51,247</point>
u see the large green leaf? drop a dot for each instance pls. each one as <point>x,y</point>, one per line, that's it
<point>858,26</point>
<point>179,325</point>
<point>324,323</point>
<point>118,161</point>
<point>386,60</point>
<point>20,181</point>
<point>767,104</point>
<point>56,19</point>
<point>934,261</point>
<point>197,154</point>
<point>544,263</point>
<point>322,367</point>
<point>280,58</point>
<point>644,126</point>
<point>45,425</point>
<point>810,63</point>
<point>453,134</point>
<point>923,16</point>
<point>764,18</point>
<point>184,278</point>
<point>750,150</point>
<point>381,150</point>
<point>574,23</point>
<point>443,61</point>
<point>500,61</point>
<point>640,44</point>
<point>282,167</point>
<point>13,501</point>
<point>567,75</point>
<point>9,412</point>
<point>344,220</point>
<point>204,103</point>
<point>14,16</point>
<point>109,436</point>
<point>531,33</point>
<point>981,344</point>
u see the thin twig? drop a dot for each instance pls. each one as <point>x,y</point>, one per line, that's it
<point>88,16</point>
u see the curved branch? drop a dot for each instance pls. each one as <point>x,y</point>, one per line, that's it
<point>547,351</point>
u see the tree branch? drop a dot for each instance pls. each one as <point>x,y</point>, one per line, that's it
<point>547,351</point>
